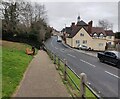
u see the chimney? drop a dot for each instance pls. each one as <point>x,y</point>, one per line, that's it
<point>72,25</point>
<point>90,27</point>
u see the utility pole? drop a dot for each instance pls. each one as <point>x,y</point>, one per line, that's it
<point>65,33</point>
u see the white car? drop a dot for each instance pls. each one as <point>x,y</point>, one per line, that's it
<point>83,47</point>
<point>59,39</point>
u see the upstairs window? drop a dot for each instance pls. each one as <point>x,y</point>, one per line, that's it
<point>101,35</point>
<point>95,35</point>
<point>81,34</point>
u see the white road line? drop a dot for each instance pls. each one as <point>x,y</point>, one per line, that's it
<point>52,42</point>
<point>87,63</point>
<point>71,55</point>
<point>112,74</point>
<point>62,50</point>
<point>56,48</point>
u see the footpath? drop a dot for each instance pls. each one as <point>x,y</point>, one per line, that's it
<point>41,79</point>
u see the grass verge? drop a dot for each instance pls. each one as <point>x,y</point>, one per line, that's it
<point>14,63</point>
<point>0,72</point>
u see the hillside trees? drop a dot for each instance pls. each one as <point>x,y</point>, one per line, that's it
<point>10,21</point>
<point>24,20</point>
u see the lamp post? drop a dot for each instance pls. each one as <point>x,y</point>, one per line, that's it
<point>65,34</point>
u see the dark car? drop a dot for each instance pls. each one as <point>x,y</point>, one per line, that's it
<point>112,57</point>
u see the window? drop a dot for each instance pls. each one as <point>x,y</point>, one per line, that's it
<point>84,41</point>
<point>101,35</point>
<point>100,44</point>
<point>109,43</point>
<point>81,34</point>
<point>110,37</point>
<point>77,41</point>
<point>107,53</point>
<point>95,35</point>
<point>110,54</point>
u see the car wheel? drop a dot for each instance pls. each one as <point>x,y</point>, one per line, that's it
<point>118,65</point>
<point>101,60</point>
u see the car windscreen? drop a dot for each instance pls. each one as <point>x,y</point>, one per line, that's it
<point>117,54</point>
<point>84,46</point>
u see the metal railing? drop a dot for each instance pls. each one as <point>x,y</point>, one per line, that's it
<point>54,57</point>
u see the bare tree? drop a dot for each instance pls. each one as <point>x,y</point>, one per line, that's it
<point>10,15</point>
<point>40,12</point>
<point>105,24</point>
<point>25,18</point>
<point>26,13</point>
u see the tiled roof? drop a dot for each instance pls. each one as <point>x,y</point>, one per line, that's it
<point>63,30</point>
<point>81,23</point>
<point>98,31</point>
<point>75,31</point>
<point>109,33</point>
<point>68,30</point>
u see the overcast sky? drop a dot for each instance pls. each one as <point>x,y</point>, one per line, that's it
<point>61,13</point>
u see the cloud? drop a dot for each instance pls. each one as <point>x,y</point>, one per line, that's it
<point>119,16</point>
<point>74,0</point>
<point>61,13</point>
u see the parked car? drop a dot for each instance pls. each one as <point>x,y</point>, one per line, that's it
<point>59,39</point>
<point>112,57</point>
<point>83,47</point>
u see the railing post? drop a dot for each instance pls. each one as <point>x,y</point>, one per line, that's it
<point>51,55</point>
<point>58,62</point>
<point>65,68</point>
<point>83,79</point>
<point>54,59</point>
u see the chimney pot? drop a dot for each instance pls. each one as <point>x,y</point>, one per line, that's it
<point>73,23</point>
<point>90,26</point>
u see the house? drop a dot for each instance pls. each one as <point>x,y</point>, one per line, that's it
<point>82,33</point>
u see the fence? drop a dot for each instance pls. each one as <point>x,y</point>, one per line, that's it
<point>79,82</point>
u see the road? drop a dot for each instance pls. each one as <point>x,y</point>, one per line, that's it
<point>103,77</point>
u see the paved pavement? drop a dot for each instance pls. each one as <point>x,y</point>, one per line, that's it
<point>41,79</point>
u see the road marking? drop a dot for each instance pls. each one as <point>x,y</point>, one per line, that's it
<point>71,55</point>
<point>52,42</point>
<point>56,48</point>
<point>62,50</point>
<point>87,63</point>
<point>112,74</point>
<point>53,45</point>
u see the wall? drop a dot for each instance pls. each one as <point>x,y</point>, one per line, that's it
<point>98,44</point>
<point>111,40</point>
<point>69,41</point>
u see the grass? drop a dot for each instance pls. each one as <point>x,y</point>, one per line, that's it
<point>76,80</point>
<point>14,63</point>
<point>0,72</point>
